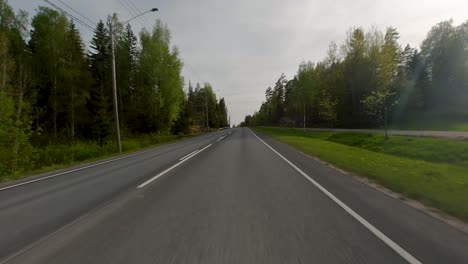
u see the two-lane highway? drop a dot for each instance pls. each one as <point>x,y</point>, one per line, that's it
<point>33,208</point>
<point>221,198</point>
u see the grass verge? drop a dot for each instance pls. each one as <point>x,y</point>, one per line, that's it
<point>60,156</point>
<point>408,165</point>
<point>453,121</point>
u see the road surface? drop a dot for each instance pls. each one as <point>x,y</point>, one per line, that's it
<point>226,197</point>
<point>415,133</point>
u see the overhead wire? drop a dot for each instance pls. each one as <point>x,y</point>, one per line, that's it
<point>128,9</point>
<point>64,12</point>
<point>136,9</point>
<point>74,10</point>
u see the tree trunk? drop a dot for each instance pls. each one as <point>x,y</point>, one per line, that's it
<point>4,68</point>
<point>207,119</point>
<point>72,105</point>
<point>72,114</point>
<point>385,123</point>
<point>54,107</point>
<point>18,117</point>
<point>304,117</point>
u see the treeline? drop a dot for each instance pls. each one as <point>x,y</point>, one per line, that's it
<point>371,81</point>
<point>54,90</point>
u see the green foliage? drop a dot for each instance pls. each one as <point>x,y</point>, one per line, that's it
<point>433,120</point>
<point>160,83</point>
<point>56,100</point>
<point>56,155</point>
<point>222,113</point>
<point>203,109</point>
<point>15,122</point>
<point>47,43</point>
<point>76,79</point>
<point>372,82</point>
<point>7,132</point>
<point>406,165</point>
<point>99,103</point>
<point>434,150</point>
<point>127,65</point>
<point>327,108</point>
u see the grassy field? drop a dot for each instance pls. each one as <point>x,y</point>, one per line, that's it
<point>58,156</point>
<point>433,171</point>
<point>433,121</point>
<point>434,126</point>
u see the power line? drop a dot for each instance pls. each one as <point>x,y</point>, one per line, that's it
<point>130,11</point>
<point>80,14</point>
<point>70,16</point>
<point>135,8</point>
<point>125,6</point>
<point>190,68</point>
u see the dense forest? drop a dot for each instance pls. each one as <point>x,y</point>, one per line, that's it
<point>55,93</point>
<point>372,81</point>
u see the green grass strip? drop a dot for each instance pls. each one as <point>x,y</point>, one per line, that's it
<point>441,185</point>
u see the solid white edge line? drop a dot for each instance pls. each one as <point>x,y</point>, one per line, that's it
<point>77,169</point>
<point>399,250</point>
<point>171,168</point>
<point>188,155</point>
<point>221,138</point>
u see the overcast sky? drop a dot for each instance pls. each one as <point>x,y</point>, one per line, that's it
<point>241,47</point>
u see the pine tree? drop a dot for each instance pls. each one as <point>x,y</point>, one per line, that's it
<point>47,44</point>
<point>77,80</point>
<point>99,103</point>
<point>223,113</point>
<point>126,57</point>
<point>15,128</point>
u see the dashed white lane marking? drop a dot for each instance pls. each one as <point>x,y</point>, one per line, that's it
<point>171,168</point>
<point>77,169</point>
<point>188,155</point>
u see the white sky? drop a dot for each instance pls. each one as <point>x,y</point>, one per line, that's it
<point>242,47</point>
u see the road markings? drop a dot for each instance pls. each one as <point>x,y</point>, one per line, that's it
<point>77,169</point>
<point>221,138</point>
<point>81,168</point>
<point>188,155</point>
<point>171,168</point>
<point>191,155</point>
<point>399,250</point>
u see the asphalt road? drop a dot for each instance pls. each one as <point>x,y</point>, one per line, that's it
<point>240,199</point>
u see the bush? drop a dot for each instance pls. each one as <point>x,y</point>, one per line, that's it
<point>38,158</point>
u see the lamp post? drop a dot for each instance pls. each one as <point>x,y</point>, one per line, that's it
<point>114,81</point>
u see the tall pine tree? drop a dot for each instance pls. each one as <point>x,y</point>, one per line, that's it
<point>99,103</point>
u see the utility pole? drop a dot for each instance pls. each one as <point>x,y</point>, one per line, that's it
<point>114,91</point>
<point>114,81</point>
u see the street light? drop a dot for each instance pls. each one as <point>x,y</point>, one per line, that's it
<point>149,11</point>
<point>114,81</point>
